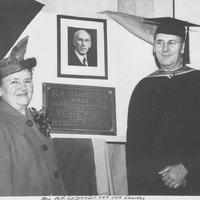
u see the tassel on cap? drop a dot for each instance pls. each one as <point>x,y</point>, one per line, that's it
<point>186,54</point>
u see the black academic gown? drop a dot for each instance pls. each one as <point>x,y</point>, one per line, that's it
<point>164,129</point>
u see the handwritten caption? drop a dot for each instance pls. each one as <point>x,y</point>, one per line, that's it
<point>93,198</point>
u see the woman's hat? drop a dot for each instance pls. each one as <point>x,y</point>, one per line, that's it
<point>16,62</point>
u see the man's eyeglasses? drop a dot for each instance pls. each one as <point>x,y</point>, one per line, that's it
<point>170,44</point>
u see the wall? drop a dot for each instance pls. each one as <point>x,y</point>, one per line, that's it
<point>129,58</point>
<point>163,8</point>
<point>43,45</point>
<point>144,8</point>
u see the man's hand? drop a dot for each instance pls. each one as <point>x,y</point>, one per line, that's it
<point>174,176</point>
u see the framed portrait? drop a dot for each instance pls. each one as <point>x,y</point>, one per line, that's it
<point>82,47</point>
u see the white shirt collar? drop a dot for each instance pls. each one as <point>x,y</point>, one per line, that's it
<point>81,57</point>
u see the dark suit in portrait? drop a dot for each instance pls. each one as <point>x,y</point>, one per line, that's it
<point>75,61</point>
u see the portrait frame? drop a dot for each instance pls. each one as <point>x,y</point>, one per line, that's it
<point>97,54</point>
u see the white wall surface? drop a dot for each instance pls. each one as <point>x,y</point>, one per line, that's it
<point>129,58</point>
<point>163,8</point>
<point>144,8</point>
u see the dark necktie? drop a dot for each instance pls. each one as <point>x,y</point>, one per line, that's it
<point>84,61</point>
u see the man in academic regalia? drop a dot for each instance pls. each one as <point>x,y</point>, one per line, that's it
<point>163,136</point>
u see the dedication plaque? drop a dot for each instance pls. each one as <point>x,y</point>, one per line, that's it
<point>80,109</point>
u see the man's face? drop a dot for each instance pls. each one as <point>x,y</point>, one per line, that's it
<point>17,89</point>
<point>168,50</point>
<point>82,42</point>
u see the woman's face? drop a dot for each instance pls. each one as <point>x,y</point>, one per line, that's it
<point>17,89</point>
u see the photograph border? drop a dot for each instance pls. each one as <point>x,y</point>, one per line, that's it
<point>98,72</point>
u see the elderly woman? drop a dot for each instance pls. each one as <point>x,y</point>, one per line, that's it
<point>27,158</point>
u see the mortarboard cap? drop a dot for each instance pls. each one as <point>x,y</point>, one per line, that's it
<point>16,62</point>
<point>173,26</point>
<point>15,15</point>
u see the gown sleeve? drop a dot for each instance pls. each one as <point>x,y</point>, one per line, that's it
<point>143,115</point>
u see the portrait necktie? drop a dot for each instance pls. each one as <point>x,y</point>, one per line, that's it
<point>84,61</point>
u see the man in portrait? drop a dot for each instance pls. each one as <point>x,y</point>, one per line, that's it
<point>80,54</point>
